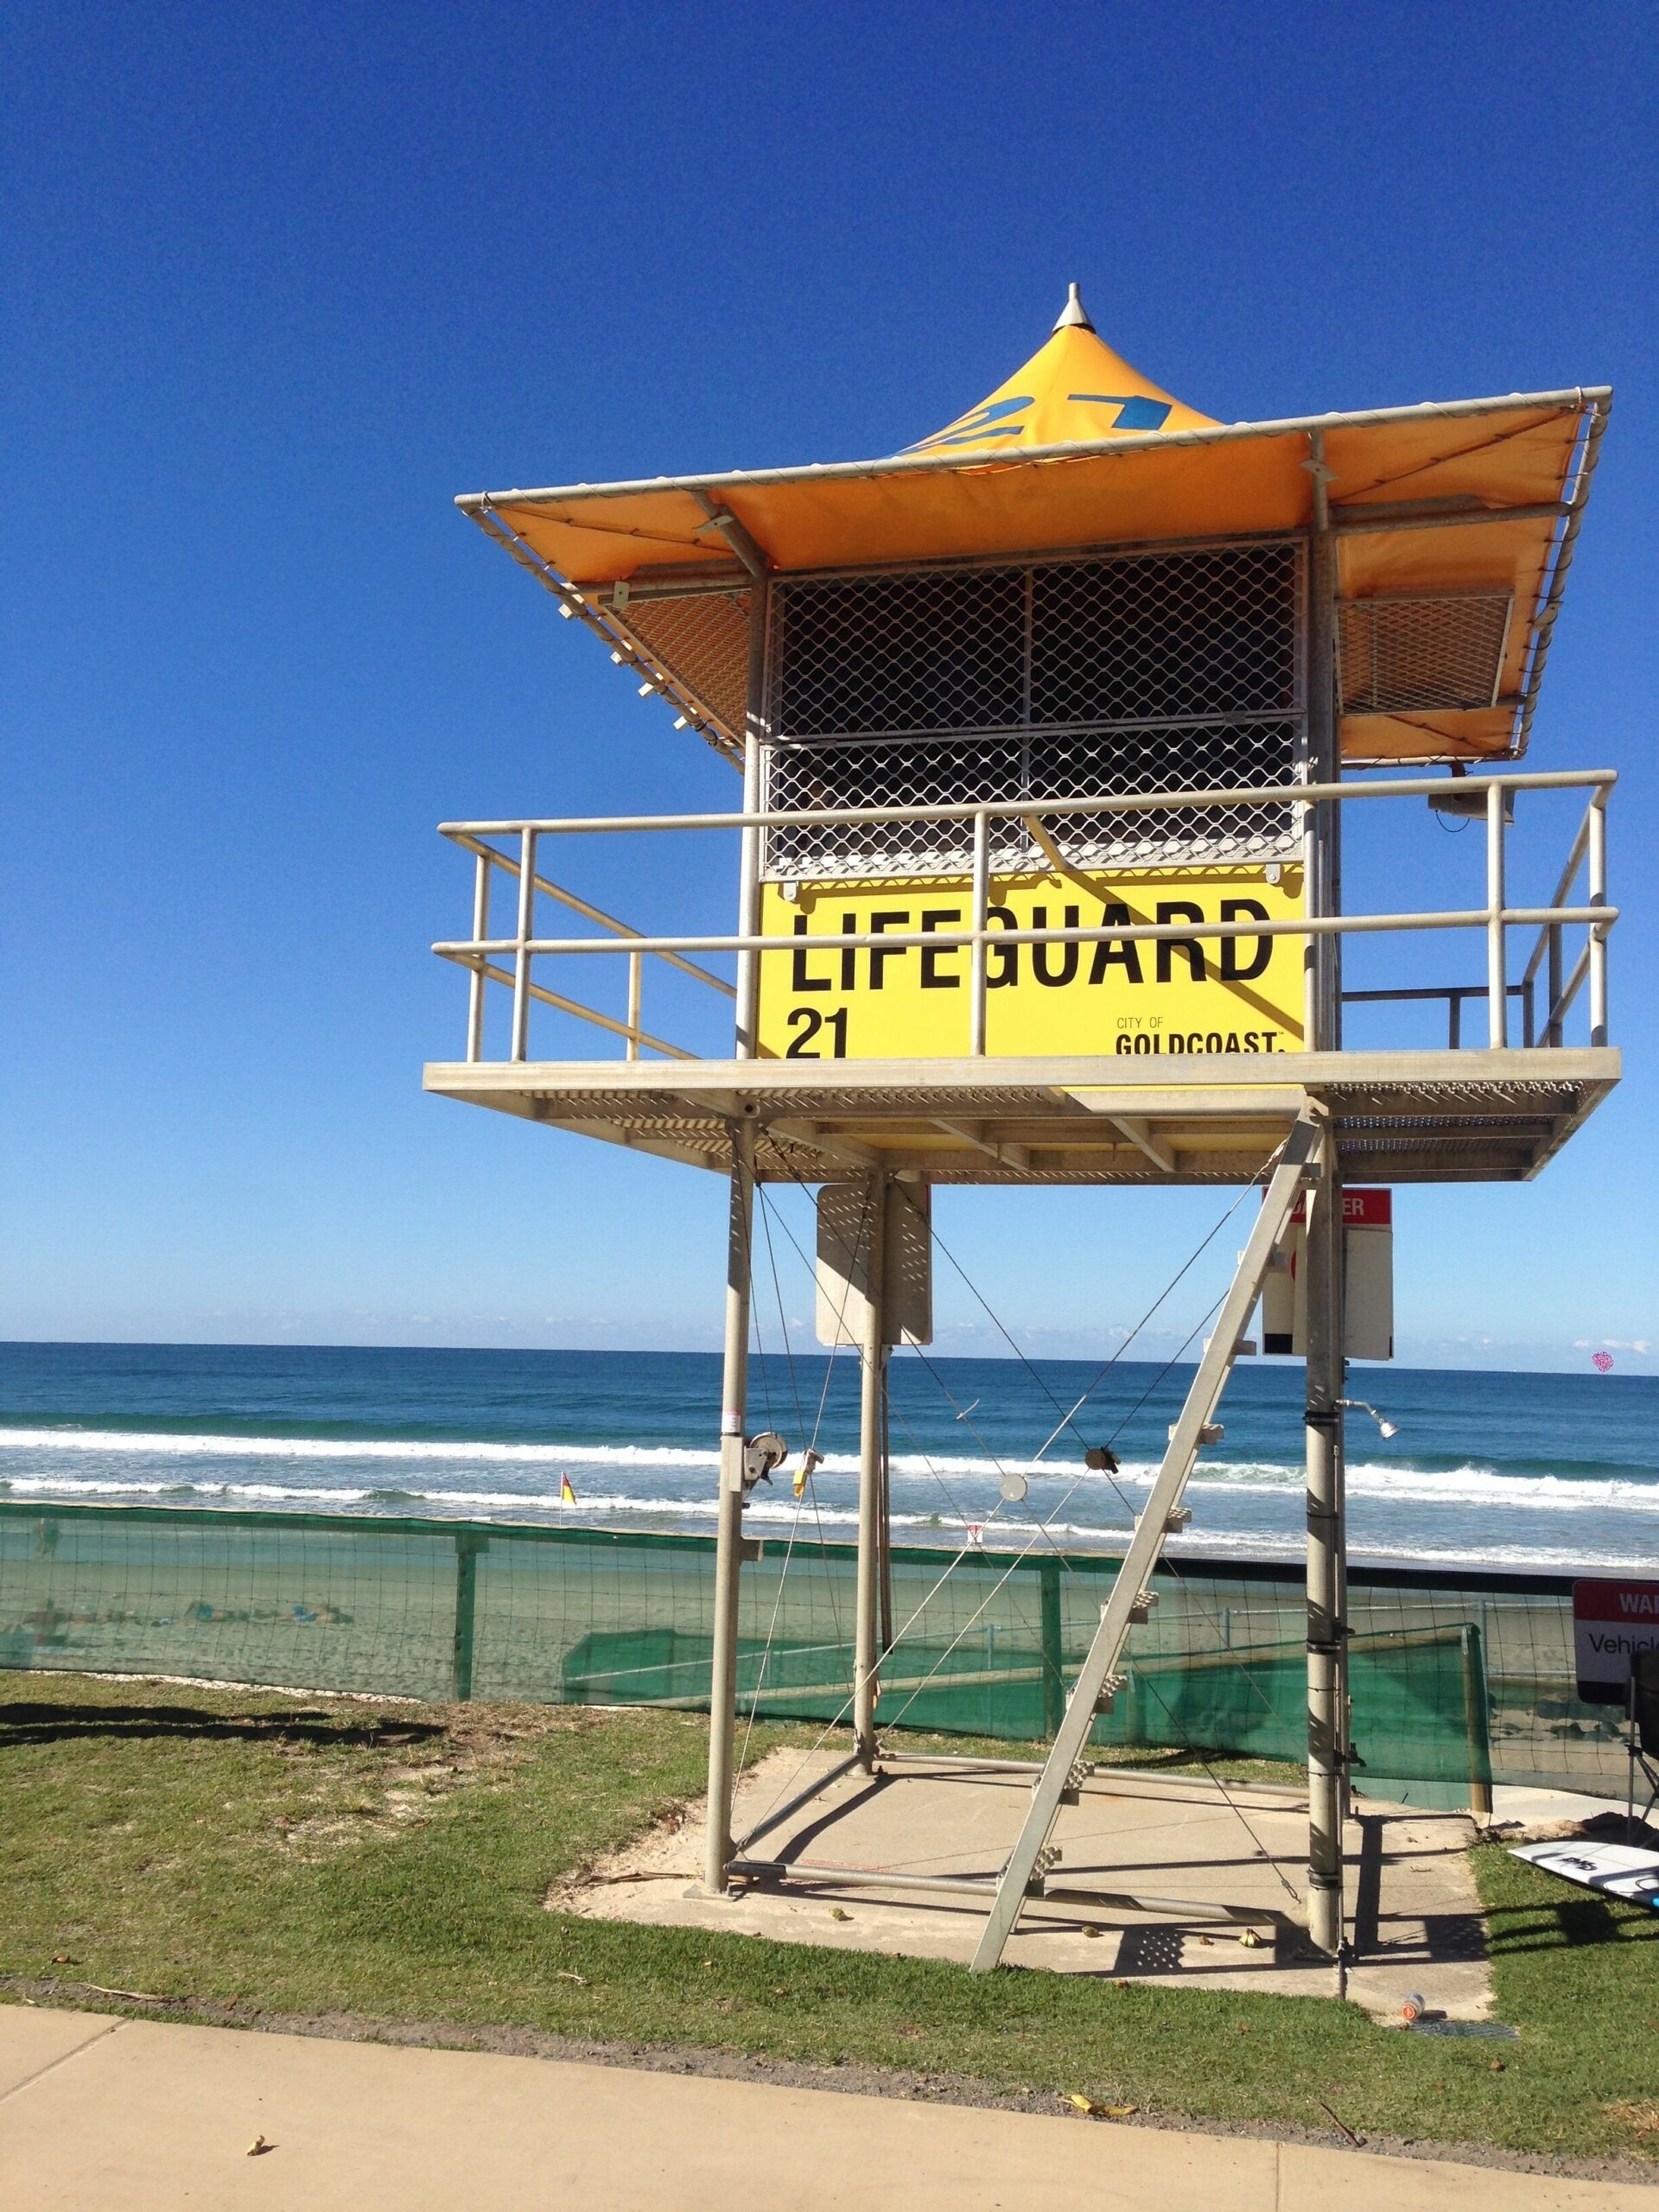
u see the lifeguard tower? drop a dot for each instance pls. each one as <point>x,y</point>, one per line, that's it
<point>1047,729</point>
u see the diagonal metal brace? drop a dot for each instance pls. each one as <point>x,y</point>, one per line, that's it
<point>1126,1601</point>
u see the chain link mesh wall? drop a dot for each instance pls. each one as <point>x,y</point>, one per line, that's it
<point>1413,656</point>
<point>1168,669</point>
<point>1453,1676</point>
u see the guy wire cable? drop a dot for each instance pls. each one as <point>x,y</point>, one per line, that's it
<point>767,1209</point>
<point>800,1503</point>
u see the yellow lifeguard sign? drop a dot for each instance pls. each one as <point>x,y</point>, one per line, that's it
<point>1124,996</point>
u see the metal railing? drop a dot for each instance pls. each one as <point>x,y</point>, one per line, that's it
<point>1589,853</point>
<point>521,867</point>
<point>481,953</point>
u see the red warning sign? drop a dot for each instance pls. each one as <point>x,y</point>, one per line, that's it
<point>1360,1210</point>
<point>1611,1622</point>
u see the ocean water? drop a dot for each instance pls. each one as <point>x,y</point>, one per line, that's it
<point>1547,1472</point>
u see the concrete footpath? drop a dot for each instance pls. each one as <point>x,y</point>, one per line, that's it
<point>111,2115</point>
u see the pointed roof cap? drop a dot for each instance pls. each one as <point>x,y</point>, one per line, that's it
<point>1074,314</point>
<point>1075,387</point>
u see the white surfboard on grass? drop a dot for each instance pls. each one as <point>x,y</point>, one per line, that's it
<point>1619,1869</point>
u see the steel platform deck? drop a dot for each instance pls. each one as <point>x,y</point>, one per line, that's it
<point>1470,1116</point>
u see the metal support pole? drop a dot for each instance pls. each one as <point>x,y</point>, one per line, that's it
<point>728,1551</point>
<point>872,1361</point>
<point>1326,1734</point>
<point>478,982</point>
<point>1497,986</point>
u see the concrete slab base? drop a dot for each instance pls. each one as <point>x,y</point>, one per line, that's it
<point>1551,1807</point>
<point>1224,1866</point>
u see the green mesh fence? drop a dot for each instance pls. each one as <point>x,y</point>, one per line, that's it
<point>1453,1677</point>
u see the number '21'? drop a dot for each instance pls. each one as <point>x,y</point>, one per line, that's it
<point>808,1022</point>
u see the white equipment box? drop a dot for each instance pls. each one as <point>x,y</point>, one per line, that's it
<point>1368,1270</point>
<point>842,1260</point>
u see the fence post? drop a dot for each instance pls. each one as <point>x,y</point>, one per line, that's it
<point>468,1544</point>
<point>1476,1714</point>
<point>1051,1636</point>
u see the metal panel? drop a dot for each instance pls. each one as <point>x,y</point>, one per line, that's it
<point>843,1264</point>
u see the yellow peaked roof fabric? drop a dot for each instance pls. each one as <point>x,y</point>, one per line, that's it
<point>1075,387</point>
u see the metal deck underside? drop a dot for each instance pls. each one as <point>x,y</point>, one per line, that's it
<point>1476,1116</point>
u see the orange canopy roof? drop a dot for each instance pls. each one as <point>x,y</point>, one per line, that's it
<point>1460,495</point>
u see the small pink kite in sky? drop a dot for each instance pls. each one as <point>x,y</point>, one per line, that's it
<point>1602,1362</point>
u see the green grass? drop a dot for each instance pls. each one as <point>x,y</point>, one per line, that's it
<point>314,1855</point>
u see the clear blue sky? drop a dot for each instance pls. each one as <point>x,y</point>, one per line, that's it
<point>280,281</point>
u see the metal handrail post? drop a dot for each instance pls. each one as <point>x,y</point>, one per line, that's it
<point>478,980</point>
<point>1309,947</point>
<point>1597,894</point>
<point>521,959</point>
<point>1553,1026</point>
<point>636,1001</point>
<point>981,904</point>
<point>1497,1000</point>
